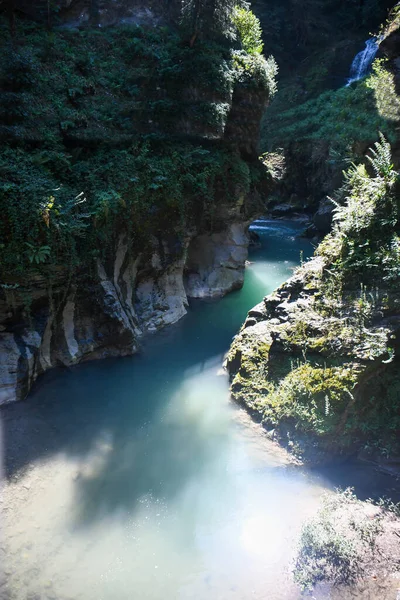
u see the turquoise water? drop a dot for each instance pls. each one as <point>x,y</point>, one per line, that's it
<point>137,478</point>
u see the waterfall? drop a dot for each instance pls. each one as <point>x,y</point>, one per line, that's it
<point>363,60</point>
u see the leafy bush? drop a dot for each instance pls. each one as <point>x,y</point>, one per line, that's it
<point>255,70</point>
<point>314,396</point>
<point>249,30</point>
<point>365,230</point>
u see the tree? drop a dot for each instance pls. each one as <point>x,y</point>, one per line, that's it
<point>249,29</point>
<point>207,18</point>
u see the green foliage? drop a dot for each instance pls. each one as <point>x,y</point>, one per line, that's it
<point>392,22</point>
<point>320,135</point>
<point>207,18</point>
<point>37,255</point>
<point>313,396</point>
<point>93,89</point>
<point>381,424</point>
<point>340,117</point>
<point>145,189</point>
<point>256,71</point>
<point>116,134</point>
<point>19,71</point>
<point>381,81</point>
<point>365,230</point>
<point>249,30</point>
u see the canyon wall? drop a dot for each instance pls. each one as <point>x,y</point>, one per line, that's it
<point>130,175</point>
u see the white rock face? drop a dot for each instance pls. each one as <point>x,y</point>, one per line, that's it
<point>161,300</point>
<point>131,297</point>
<point>215,263</point>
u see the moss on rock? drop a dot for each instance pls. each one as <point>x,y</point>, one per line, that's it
<point>319,361</point>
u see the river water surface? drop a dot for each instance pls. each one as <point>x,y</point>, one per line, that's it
<point>137,479</point>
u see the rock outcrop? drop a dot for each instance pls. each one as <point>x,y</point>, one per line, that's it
<point>311,371</point>
<point>215,262</point>
<point>322,219</point>
<point>161,138</point>
<point>80,318</point>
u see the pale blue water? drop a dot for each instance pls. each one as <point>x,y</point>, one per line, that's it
<point>136,478</point>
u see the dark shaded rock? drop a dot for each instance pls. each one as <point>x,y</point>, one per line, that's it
<point>282,209</point>
<point>323,217</point>
<point>254,239</point>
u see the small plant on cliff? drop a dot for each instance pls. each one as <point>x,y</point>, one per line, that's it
<point>365,237</point>
<point>249,30</point>
<point>256,71</point>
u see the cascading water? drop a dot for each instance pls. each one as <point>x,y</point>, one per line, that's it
<point>363,61</point>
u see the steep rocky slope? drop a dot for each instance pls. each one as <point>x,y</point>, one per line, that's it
<point>129,175</point>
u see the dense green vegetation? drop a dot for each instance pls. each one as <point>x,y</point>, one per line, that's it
<point>329,372</point>
<point>320,137</point>
<point>350,114</point>
<point>207,18</point>
<point>317,123</point>
<point>364,246</point>
<point>113,130</point>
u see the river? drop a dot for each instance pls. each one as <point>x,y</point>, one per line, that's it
<point>137,479</point>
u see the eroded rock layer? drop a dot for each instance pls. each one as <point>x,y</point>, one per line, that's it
<point>107,315</point>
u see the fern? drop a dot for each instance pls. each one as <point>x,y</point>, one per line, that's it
<point>381,160</point>
<point>364,239</point>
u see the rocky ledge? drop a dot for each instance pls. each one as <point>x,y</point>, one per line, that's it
<point>107,314</point>
<point>318,366</point>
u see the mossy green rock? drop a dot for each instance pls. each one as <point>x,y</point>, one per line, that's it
<point>325,385</point>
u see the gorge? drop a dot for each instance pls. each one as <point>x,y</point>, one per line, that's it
<point>131,455</point>
<point>131,186</point>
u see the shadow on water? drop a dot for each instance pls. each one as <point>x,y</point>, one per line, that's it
<point>367,480</point>
<point>151,422</point>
